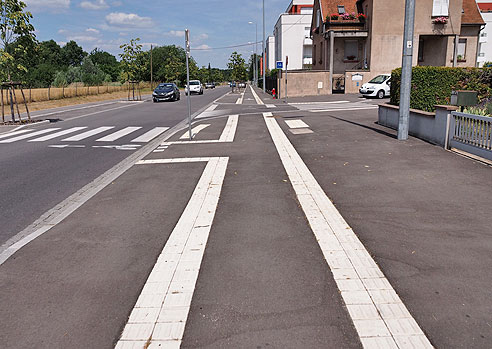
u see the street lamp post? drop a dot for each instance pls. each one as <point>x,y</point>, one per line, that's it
<point>263,50</point>
<point>255,69</point>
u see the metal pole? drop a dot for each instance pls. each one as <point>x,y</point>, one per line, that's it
<point>256,55</point>
<point>187,40</point>
<point>151,75</point>
<point>332,47</point>
<point>406,72</point>
<point>286,68</point>
<point>263,52</point>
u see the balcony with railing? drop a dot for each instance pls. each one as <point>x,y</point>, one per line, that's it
<point>353,25</point>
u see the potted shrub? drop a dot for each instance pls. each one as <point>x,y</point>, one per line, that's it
<point>350,58</point>
<point>440,20</point>
<point>361,17</point>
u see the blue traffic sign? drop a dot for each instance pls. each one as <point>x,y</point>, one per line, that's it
<point>280,65</point>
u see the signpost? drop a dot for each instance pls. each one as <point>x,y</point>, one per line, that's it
<point>286,68</point>
<point>187,43</point>
<point>280,65</point>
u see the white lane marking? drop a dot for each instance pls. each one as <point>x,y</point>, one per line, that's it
<point>379,315</point>
<point>58,134</point>
<point>161,310</point>
<point>119,147</point>
<point>87,134</point>
<point>29,135</point>
<point>342,109</point>
<point>171,161</point>
<point>267,114</point>
<point>150,135</point>
<point>307,103</point>
<point>229,129</point>
<point>240,99</point>
<point>63,146</point>
<point>14,133</point>
<point>118,134</point>
<point>255,95</point>
<point>270,106</point>
<point>194,131</point>
<point>296,123</point>
<point>212,107</point>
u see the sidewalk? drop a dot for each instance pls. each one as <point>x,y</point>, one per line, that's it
<point>214,243</point>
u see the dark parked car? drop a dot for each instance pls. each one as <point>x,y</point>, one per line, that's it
<point>210,85</point>
<point>166,92</point>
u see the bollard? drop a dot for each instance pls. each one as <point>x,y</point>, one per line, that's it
<point>273,93</point>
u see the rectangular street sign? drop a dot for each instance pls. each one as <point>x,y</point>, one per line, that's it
<point>280,65</point>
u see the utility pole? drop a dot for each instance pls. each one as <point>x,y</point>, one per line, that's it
<point>187,43</point>
<point>151,75</point>
<point>406,70</point>
<point>263,52</point>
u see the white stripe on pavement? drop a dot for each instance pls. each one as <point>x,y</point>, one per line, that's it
<point>29,135</point>
<point>57,134</point>
<point>255,95</point>
<point>296,123</point>
<point>270,106</point>
<point>380,317</point>
<point>14,133</point>
<point>118,134</point>
<point>194,131</point>
<point>229,129</point>
<point>150,135</point>
<point>342,109</point>
<point>307,103</point>
<point>160,313</point>
<point>88,134</point>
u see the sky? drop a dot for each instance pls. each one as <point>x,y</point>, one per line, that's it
<point>106,24</point>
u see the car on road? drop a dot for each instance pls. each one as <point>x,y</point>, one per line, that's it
<point>209,85</point>
<point>378,87</point>
<point>195,87</point>
<point>166,92</point>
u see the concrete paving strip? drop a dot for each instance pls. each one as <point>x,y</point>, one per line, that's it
<point>380,317</point>
<point>160,313</point>
<point>58,213</point>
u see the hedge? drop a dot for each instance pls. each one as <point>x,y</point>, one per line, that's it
<point>433,85</point>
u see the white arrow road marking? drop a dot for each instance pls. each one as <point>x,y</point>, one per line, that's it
<point>194,131</point>
<point>160,313</point>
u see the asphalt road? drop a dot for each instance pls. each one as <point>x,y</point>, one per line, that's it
<point>35,176</point>
<point>145,263</point>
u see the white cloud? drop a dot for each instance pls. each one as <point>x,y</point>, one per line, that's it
<point>94,5</point>
<point>92,30</point>
<point>81,38</point>
<point>128,20</point>
<point>202,47</point>
<point>177,33</point>
<point>47,5</point>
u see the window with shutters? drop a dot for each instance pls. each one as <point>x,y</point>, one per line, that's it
<point>440,8</point>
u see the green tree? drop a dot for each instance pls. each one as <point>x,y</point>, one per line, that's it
<point>14,24</point>
<point>237,66</point>
<point>91,74</point>
<point>131,69</point>
<point>106,62</point>
<point>72,54</point>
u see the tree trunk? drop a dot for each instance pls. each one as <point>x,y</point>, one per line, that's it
<point>11,105</point>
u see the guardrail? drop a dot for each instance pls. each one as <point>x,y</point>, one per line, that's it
<point>471,133</point>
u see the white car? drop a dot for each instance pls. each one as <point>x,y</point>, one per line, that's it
<point>195,87</point>
<point>378,87</point>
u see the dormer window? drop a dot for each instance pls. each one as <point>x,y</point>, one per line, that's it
<point>341,9</point>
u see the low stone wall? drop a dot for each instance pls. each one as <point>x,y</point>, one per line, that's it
<point>430,127</point>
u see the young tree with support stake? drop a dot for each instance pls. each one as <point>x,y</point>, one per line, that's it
<point>14,24</point>
<point>131,68</point>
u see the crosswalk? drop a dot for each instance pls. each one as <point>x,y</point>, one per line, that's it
<point>106,134</point>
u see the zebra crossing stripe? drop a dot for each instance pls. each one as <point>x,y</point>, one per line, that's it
<point>14,133</point>
<point>32,134</point>
<point>88,134</point>
<point>118,134</point>
<point>57,134</point>
<point>150,135</point>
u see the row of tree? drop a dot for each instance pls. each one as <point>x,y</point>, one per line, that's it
<point>46,63</point>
